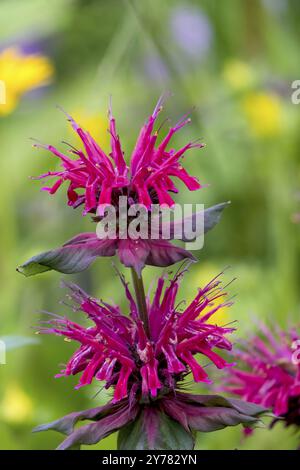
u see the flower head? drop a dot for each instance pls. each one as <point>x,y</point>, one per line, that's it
<point>145,371</point>
<point>95,178</point>
<point>269,373</point>
<point>21,72</point>
<point>117,350</point>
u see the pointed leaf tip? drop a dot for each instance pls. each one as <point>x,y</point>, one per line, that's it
<point>212,215</point>
<point>74,256</point>
<point>189,226</point>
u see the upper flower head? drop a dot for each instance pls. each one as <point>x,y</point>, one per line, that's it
<point>270,373</point>
<point>96,178</point>
<point>117,350</point>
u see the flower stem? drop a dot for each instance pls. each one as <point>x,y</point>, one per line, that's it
<point>141,299</point>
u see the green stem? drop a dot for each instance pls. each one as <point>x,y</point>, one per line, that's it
<point>141,299</point>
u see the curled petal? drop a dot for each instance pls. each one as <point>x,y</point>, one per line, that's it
<point>163,253</point>
<point>66,424</point>
<point>208,413</point>
<point>108,419</point>
<point>93,433</point>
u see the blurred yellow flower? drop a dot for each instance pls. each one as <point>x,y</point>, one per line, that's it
<point>16,406</point>
<point>21,73</point>
<point>222,317</point>
<point>238,75</point>
<point>264,113</point>
<point>203,276</point>
<point>96,124</point>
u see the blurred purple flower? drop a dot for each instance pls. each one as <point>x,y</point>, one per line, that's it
<point>191,30</point>
<point>155,68</point>
<point>277,7</point>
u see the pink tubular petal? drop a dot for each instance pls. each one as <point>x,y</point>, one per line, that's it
<point>105,195</point>
<point>174,364</point>
<point>198,372</point>
<point>56,185</point>
<point>151,382</point>
<point>121,390</point>
<point>143,139</point>
<point>117,152</point>
<point>219,362</point>
<point>90,370</point>
<point>163,195</point>
<point>190,181</point>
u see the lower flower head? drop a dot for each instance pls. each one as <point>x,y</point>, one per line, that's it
<point>117,350</point>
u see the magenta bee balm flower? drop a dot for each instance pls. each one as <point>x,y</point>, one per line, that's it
<point>119,350</point>
<point>269,373</point>
<point>95,178</point>
<point>145,364</point>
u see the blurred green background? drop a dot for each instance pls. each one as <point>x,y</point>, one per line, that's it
<point>234,61</point>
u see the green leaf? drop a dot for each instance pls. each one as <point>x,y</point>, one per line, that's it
<point>74,256</point>
<point>77,254</point>
<point>66,424</point>
<point>154,430</point>
<point>105,420</point>
<point>212,215</point>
